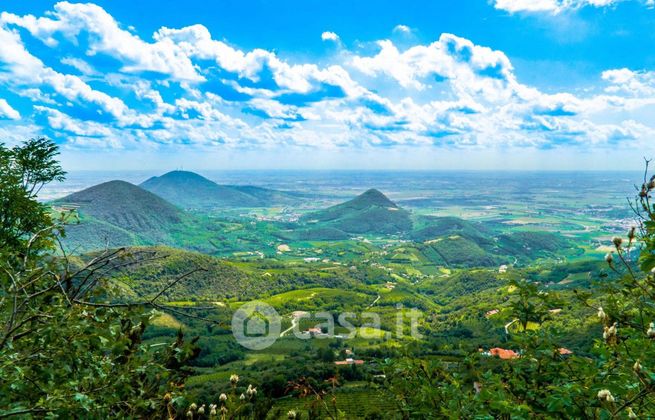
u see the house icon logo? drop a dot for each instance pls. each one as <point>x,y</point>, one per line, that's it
<point>256,325</point>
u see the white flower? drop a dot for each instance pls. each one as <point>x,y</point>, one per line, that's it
<point>189,414</point>
<point>637,366</point>
<point>234,378</point>
<point>651,330</point>
<point>631,414</point>
<point>251,391</point>
<point>242,397</point>
<point>222,398</point>
<point>201,410</point>
<point>601,314</point>
<point>291,415</point>
<point>193,407</point>
<point>605,395</point>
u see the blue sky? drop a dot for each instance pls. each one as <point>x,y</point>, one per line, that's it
<point>491,84</point>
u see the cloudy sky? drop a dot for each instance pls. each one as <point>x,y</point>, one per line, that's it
<point>484,84</point>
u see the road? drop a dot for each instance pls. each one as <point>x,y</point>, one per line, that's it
<point>294,324</point>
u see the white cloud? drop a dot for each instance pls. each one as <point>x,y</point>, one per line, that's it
<point>6,111</point>
<point>108,38</point>
<point>449,92</point>
<point>402,29</point>
<point>329,36</point>
<point>79,64</point>
<point>552,6</point>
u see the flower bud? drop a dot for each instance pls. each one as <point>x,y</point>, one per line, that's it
<point>651,330</point>
<point>242,397</point>
<point>222,398</point>
<point>617,241</point>
<point>609,258</point>
<point>637,367</point>
<point>201,410</point>
<point>234,378</point>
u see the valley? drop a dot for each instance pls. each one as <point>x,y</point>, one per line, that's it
<point>446,265</point>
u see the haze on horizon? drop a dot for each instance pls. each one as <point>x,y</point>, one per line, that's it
<point>501,84</point>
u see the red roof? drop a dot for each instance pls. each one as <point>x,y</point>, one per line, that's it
<point>503,353</point>
<point>314,330</point>
<point>349,362</point>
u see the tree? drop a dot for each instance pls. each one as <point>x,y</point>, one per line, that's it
<point>67,348</point>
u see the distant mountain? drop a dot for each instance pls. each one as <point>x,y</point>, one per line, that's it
<point>118,213</point>
<point>368,213</point>
<point>190,190</point>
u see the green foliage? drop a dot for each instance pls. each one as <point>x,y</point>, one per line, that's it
<point>369,213</point>
<point>24,170</point>
<point>64,351</point>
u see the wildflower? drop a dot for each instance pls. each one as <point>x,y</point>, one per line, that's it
<point>251,391</point>
<point>605,395</point>
<point>601,314</point>
<point>189,414</point>
<point>609,259</point>
<point>223,410</point>
<point>234,378</point>
<point>242,397</point>
<point>222,398</point>
<point>651,330</point>
<point>168,397</point>
<point>617,241</point>
<point>637,366</point>
<point>201,410</point>
<point>193,407</point>
<point>291,415</point>
<point>212,412</point>
<point>631,413</point>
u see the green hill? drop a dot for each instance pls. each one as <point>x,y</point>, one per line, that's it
<point>190,190</point>
<point>369,213</point>
<point>118,213</point>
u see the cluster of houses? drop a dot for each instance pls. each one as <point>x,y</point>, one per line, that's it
<point>506,354</point>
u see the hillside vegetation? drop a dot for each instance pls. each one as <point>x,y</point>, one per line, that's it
<point>368,213</point>
<point>193,191</point>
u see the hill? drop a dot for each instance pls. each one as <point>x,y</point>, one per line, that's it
<point>190,190</point>
<point>368,213</point>
<point>117,213</point>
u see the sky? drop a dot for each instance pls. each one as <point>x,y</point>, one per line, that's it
<point>307,84</point>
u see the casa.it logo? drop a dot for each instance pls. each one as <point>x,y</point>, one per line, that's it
<point>256,325</point>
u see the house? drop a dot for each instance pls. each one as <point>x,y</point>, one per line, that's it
<point>502,353</point>
<point>491,313</point>
<point>349,361</point>
<point>314,331</point>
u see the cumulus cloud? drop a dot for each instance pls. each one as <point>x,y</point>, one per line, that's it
<point>6,111</point>
<point>186,86</point>
<point>329,36</point>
